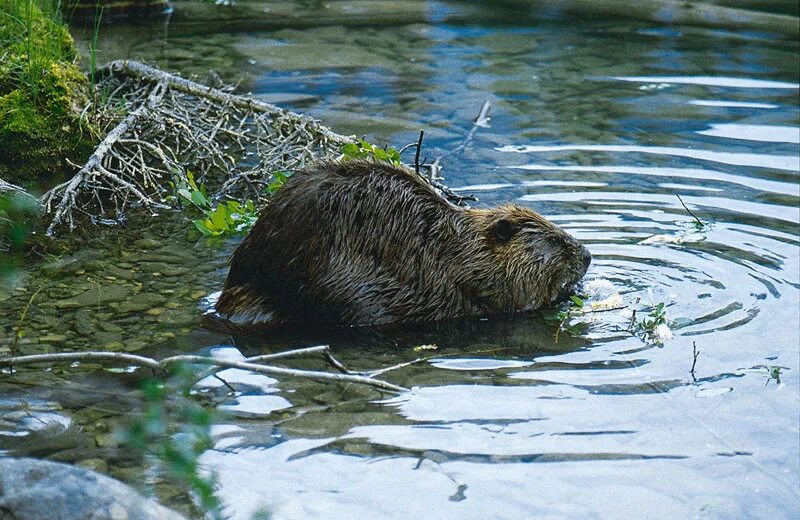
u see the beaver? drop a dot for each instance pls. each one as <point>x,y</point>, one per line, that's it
<point>358,242</point>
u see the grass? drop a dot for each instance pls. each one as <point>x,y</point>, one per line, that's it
<point>42,91</point>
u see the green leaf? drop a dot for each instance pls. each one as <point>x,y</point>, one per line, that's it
<point>576,300</point>
<point>200,200</point>
<point>186,194</point>
<point>219,218</point>
<point>202,226</point>
<point>351,149</point>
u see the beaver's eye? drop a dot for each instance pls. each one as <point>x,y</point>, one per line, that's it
<point>503,230</point>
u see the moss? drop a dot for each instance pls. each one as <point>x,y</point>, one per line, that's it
<point>42,94</point>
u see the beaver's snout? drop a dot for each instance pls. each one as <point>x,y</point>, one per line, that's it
<point>586,257</point>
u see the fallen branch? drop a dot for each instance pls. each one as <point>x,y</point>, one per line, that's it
<point>142,71</point>
<point>161,127</point>
<point>68,191</point>
<point>162,365</point>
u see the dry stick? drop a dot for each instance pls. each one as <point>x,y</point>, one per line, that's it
<point>482,121</point>
<point>162,365</point>
<point>288,353</point>
<point>140,70</point>
<point>325,350</point>
<point>188,122</point>
<point>699,222</point>
<point>695,353</point>
<point>416,154</point>
<point>69,188</point>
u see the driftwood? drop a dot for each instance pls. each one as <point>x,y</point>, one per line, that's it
<point>169,126</point>
<point>678,12</point>
<point>252,364</point>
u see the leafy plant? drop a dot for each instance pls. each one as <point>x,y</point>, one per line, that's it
<point>278,180</point>
<point>363,150</point>
<point>655,326</point>
<point>574,308</point>
<point>773,372</point>
<point>224,218</point>
<point>173,432</point>
<point>228,217</point>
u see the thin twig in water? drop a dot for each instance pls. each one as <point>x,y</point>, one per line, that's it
<point>381,371</point>
<point>699,222</point>
<point>482,121</point>
<point>163,364</point>
<point>695,353</point>
<point>633,322</point>
<point>416,154</point>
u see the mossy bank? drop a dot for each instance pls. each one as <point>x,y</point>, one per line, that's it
<point>42,93</point>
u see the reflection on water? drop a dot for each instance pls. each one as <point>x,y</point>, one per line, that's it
<point>598,126</point>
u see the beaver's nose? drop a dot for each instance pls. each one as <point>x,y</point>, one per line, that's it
<point>586,256</point>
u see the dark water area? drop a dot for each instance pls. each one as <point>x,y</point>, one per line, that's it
<point>598,125</point>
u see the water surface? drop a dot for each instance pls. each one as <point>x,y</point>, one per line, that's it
<point>598,125</point>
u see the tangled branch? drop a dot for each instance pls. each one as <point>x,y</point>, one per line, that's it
<point>159,126</point>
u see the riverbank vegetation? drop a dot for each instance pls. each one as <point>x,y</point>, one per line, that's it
<point>43,93</point>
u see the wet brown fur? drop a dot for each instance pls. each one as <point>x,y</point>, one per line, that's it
<point>364,243</point>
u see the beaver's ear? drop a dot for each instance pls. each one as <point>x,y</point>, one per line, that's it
<point>503,230</point>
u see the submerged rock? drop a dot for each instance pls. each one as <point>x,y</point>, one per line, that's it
<point>32,489</point>
<point>96,297</point>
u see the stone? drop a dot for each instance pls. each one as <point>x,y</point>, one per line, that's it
<point>141,302</point>
<point>69,265</point>
<point>178,318</point>
<point>148,243</point>
<point>32,489</point>
<point>83,323</point>
<point>96,297</point>
<point>53,338</point>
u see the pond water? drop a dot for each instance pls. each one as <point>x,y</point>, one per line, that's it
<point>599,125</point>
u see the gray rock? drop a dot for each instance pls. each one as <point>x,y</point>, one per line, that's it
<point>32,489</point>
<point>96,297</point>
<point>70,264</point>
<point>148,243</point>
<point>83,323</point>
<point>141,302</point>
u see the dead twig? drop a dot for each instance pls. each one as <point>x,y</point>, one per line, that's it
<point>416,154</point>
<point>695,353</point>
<point>161,126</point>
<point>162,365</point>
<point>700,223</point>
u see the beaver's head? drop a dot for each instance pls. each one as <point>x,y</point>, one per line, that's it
<point>538,261</point>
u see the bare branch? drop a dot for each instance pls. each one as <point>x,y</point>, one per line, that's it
<point>132,359</point>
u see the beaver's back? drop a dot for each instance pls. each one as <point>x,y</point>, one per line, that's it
<point>352,242</point>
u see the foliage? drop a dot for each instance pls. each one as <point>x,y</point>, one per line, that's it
<point>575,307</point>
<point>278,180</point>
<point>654,327</point>
<point>42,92</point>
<point>173,432</point>
<point>225,218</point>
<point>363,150</point>
<point>773,372</point>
